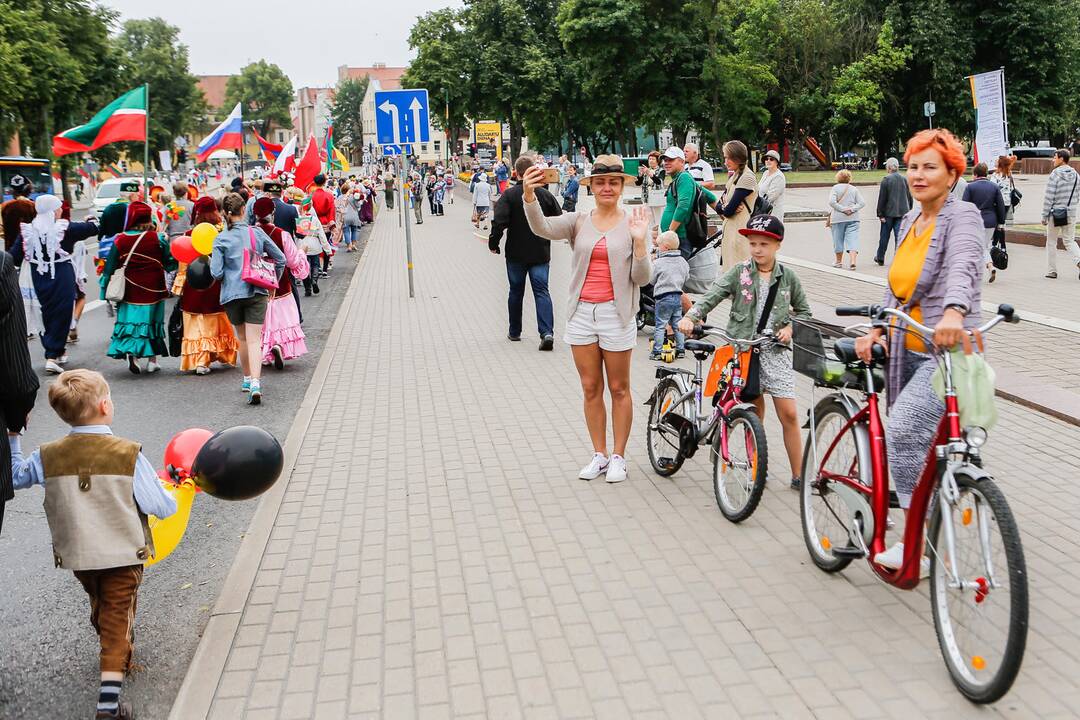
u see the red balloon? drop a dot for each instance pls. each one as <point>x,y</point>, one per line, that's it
<point>182,249</point>
<point>184,446</point>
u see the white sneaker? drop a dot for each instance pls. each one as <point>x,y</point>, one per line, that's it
<point>616,471</point>
<point>202,370</point>
<point>53,368</point>
<point>893,558</point>
<point>152,367</point>
<point>596,467</point>
<point>62,360</point>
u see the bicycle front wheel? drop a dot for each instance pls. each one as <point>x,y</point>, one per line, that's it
<point>739,481</point>
<point>981,613</point>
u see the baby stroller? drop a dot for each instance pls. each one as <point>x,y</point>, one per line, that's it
<point>646,315</point>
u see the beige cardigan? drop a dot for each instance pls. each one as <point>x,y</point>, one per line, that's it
<point>627,273</point>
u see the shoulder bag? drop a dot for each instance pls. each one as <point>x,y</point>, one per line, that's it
<point>1061,215</point>
<point>1015,196</point>
<point>257,270</point>
<point>752,386</point>
<point>114,291</point>
<point>999,255</point>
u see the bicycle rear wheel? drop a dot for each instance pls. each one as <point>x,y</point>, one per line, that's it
<point>825,516</point>
<point>662,440</point>
<point>738,484</point>
<point>982,623</point>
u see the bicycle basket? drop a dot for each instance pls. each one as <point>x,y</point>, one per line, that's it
<point>812,355</point>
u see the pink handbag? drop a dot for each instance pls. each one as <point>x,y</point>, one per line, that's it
<point>257,270</point>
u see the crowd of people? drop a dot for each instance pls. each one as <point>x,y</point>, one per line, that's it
<point>220,318</point>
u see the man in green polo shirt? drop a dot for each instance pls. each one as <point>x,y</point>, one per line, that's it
<point>680,197</point>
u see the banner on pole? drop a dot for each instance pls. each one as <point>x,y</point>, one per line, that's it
<point>165,160</point>
<point>991,125</point>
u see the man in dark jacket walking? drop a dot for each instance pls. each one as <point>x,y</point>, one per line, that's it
<point>527,254</point>
<point>18,382</point>
<point>893,202</point>
<point>986,196</point>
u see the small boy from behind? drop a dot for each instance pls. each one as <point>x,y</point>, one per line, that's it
<point>98,491</point>
<point>670,271</point>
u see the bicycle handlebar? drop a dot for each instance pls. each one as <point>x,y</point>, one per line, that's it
<point>878,313</point>
<point>723,335</point>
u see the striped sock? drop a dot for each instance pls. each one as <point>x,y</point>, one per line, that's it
<point>109,696</point>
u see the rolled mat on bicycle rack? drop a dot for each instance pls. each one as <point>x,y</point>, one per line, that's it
<point>812,355</point>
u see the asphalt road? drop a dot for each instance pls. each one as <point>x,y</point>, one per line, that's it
<point>48,650</point>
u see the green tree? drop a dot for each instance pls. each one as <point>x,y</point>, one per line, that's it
<point>149,51</point>
<point>865,90</point>
<point>346,113</point>
<point>443,66</point>
<point>265,92</point>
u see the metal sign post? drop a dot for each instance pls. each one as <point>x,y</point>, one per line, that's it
<point>401,121</point>
<point>408,227</point>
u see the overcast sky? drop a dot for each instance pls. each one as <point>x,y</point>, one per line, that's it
<point>308,40</point>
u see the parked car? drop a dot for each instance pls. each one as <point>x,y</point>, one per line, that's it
<point>109,190</point>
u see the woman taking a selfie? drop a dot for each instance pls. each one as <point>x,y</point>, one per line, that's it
<point>610,263</point>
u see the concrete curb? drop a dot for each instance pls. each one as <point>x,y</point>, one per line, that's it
<point>196,693</point>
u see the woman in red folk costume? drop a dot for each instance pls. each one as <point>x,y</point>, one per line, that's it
<point>208,334</point>
<point>283,338</point>
<point>144,255</point>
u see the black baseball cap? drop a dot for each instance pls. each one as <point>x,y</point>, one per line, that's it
<point>766,225</point>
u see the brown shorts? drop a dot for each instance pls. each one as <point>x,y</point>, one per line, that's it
<point>113,592</point>
<point>250,310</point>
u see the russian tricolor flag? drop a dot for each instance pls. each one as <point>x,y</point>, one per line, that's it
<point>228,135</point>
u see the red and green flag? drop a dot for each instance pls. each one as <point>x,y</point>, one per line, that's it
<point>122,119</point>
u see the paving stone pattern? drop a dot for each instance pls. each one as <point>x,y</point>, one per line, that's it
<point>435,555</point>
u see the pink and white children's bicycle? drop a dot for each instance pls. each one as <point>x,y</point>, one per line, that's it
<point>680,422</point>
<point>978,579</point>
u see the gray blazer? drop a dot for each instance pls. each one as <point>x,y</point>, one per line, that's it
<point>951,275</point>
<point>894,198</point>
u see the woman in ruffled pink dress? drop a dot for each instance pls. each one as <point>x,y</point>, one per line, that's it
<point>283,338</point>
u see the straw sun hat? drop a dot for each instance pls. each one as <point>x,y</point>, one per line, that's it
<point>606,165</point>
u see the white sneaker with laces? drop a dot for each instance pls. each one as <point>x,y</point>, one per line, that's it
<point>152,367</point>
<point>596,467</point>
<point>893,558</point>
<point>53,368</point>
<point>616,471</point>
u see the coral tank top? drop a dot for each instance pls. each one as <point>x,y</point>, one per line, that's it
<point>597,287</point>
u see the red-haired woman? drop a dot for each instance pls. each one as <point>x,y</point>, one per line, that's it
<point>208,335</point>
<point>935,277</point>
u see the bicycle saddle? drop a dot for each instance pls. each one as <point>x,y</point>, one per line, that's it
<point>699,346</point>
<point>844,349</point>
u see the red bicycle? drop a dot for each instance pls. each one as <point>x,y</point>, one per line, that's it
<point>978,589</point>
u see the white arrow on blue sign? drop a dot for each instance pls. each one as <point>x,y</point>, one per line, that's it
<point>391,149</point>
<point>402,117</point>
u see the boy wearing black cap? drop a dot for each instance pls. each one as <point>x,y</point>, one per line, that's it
<point>765,296</point>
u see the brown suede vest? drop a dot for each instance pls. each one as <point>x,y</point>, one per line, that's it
<point>90,502</point>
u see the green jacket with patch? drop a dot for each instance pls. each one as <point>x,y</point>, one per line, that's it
<point>740,283</point>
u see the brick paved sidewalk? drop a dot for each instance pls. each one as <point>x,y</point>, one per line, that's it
<point>435,556</point>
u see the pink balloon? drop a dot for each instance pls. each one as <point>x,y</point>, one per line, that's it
<point>182,249</point>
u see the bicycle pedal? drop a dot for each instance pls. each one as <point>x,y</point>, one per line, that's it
<point>848,552</point>
<point>665,462</point>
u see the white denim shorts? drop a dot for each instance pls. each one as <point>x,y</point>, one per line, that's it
<point>599,322</point>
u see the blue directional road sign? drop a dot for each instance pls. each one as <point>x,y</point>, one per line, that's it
<point>401,116</point>
<point>391,149</point>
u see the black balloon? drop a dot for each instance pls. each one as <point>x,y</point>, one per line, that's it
<point>238,463</point>
<point>198,273</point>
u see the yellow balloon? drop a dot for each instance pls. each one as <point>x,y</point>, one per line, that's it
<point>202,238</point>
<point>167,532</point>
